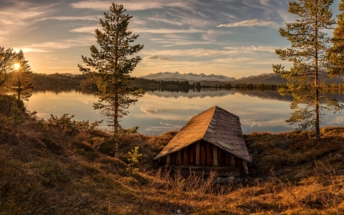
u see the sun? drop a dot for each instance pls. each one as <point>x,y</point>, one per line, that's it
<point>16,66</point>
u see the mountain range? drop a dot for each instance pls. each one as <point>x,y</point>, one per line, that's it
<point>265,78</point>
<point>176,76</point>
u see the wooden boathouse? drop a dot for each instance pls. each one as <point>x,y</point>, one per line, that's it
<point>210,141</point>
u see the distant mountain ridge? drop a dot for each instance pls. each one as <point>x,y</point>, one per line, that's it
<point>176,76</point>
<point>265,78</point>
<point>272,78</point>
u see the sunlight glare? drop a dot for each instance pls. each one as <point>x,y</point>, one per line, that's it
<point>16,66</point>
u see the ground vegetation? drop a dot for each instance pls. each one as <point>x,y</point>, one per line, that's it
<point>44,160</point>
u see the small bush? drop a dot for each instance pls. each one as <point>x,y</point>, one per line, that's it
<point>52,174</point>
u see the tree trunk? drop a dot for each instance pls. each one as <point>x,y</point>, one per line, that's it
<point>316,81</point>
<point>115,115</point>
<point>19,87</point>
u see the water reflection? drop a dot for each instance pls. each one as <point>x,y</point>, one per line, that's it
<point>161,111</point>
<point>192,93</point>
<point>60,89</point>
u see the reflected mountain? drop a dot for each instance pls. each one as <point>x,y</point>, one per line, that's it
<point>262,94</point>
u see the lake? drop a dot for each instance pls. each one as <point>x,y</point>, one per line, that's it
<point>158,112</point>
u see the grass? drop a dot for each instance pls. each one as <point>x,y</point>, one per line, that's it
<point>60,166</point>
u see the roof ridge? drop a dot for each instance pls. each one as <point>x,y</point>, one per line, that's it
<point>210,119</point>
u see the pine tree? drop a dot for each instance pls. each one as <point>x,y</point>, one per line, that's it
<point>110,66</point>
<point>308,53</point>
<point>21,80</point>
<point>18,82</point>
<point>6,64</point>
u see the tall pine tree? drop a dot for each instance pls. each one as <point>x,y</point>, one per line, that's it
<point>308,53</point>
<point>110,66</point>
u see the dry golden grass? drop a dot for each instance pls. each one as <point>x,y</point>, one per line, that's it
<point>59,167</point>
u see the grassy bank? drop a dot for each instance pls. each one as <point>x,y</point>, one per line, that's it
<point>61,166</point>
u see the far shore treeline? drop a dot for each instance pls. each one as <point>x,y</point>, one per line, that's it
<point>47,81</point>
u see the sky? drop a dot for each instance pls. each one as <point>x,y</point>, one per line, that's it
<point>235,38</point>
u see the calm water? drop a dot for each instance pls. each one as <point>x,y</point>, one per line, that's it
<point>158,112</point>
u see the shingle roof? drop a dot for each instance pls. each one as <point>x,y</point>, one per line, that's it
<point>216,126</point>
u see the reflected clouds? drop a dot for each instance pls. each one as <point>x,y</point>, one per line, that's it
<point>159,112</point>
<point>339,120</point>
<point>163,127</point>
<point>168,117</point>
<point>154,110</point>
<point>264,123</point>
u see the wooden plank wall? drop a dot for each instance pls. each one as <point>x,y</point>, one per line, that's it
<point>202,154</point>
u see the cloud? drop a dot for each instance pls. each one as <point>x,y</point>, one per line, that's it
<point>70,18</point>
<point>166,31</point>
<point>239,59</point>
<point>19,16</point>
<point>91,29</point>
<point>138,5</point>
<point>27,50</point>
<point>211,52</point>
<point>169,45</point>
<point>177,52</point>
<point>265,3</point>
<point>286,17</point>
<point>247,23</point>
<point>247,61</point>
<point>254,48</point>
<point>157,58</point>
<point>179,42</point>
<point>168,21</point>
<point>267,8</point>
<point>63,44</point>
<point>212,35</point>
